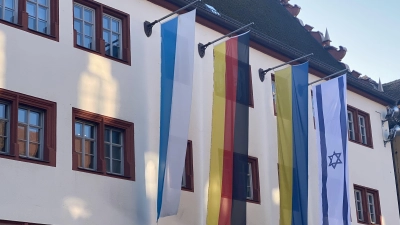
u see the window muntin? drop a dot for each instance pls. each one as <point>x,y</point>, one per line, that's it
<point>363,132</point>
<point>8,10</point>
<point>352,135</point>
<point>4,128</point>
<point>84,24</point>
<point>250,183</point>
<point>38,15</point>
<point>359,205</point>
<point>85,145</point>
<point>112,36</point>
<point>30,133</point>
<point>371,208</point>
<point>114,152</point>
<point>183,183</point>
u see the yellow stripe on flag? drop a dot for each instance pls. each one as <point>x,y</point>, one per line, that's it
<point>283,83</point>
<point>217,136</point>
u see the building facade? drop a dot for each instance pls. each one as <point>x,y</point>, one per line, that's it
<point>80,109</point>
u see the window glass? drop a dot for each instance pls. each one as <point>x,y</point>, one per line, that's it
<point>38,15</point>
<point>8,10</point>
<point>249,183</point>
<point>85,145</point>
<point>84,26</point>
<point>359,206</point>
<point>3,128</point>
<point>114,150</point>
<point>30,132</point>
<point>363,133</point>
<point>371,208</point>
<point>112,36</point>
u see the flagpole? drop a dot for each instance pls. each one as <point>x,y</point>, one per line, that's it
<point>202,47</point>
<point>148,27</point>
<point>328,76</point>
<point>262,72</point>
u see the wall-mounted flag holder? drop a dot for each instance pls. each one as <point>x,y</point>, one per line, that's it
<point>202,48</point>
<point>148,27</point>
<point>262,72</point>
<point>332,75</point>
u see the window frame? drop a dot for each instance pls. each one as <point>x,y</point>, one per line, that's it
<point>365,204</point>
<point>273,87</point>
<point>21,20</point>
<point>7,127</point>
<point>94,37</point>
<point>15,11</point>
<point>111,151</point>
<point>356,113</point>
<point>253,161</point>
<point>83,139</point>
<point>103,122</point>
<point>188,174</point>
<point>49,109</point>
<point>99,46</point>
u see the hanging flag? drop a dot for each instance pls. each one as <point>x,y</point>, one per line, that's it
<point>227,190</point>
<point>330,111</point>
<point>292,117</point>
<point>177,59</point>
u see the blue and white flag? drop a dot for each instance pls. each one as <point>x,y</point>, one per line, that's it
<point>177,59</point>
<point>330,111</point>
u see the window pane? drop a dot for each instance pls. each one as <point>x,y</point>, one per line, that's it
<point>116,166</point>
<point>34,150</point>
<point>34,118</point>
<point>107,147</point>
<point>42,26</point>
<point>22,146</point>
<point>9,15</point>
<point>78,129</point>
<point>34,135</point>
<point>3,142</point>
<point>89,161</point>
<point>108,165</point>
<point>78,11</point>
<point>21,132</point>
<point>115,26</point>
<point>106,37</point>
<point>80,160</point>
<point>89,147</point>
<point>106,22</point>
<point>88,29</point>
<point>43,2</point>
<point>78,26</point>
<point>3,111</point>
<point>3,128</point>
<point>116,137</point>
<point>79,39</point>
<point>22,115</point>
<point>116,153</point>
<point>78,144</point>
<point>31,9</point>
<point>107,135</point>
<point>32,23</point>
<point>115,45</point>
<point>88,15</point>
<point>9,4</point>
<point>87,43</point>
<point>42,13</point>
<point>89,131</point>
<point>1,11</point>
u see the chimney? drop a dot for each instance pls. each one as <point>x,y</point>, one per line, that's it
<point>355,73</point>
<point>308,27</point>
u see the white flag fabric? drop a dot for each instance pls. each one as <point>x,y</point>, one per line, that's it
<point>330,111</point>
<point>177,65</point>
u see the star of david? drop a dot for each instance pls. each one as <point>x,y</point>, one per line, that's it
<point>338,161</point>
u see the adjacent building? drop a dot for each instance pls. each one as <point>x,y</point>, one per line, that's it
<point>80,109</point>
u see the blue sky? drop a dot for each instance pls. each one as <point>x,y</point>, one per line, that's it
<point>369,29</point>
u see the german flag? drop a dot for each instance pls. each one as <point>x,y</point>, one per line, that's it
<point>230,132</point>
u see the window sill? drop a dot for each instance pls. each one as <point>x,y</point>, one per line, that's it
<point>79,169</point>
<point>99,54</point>
<point>187,189</point>
<point>356,142</point>
<point>26,159</point>
<point>20,27</point>
<point>253,201</point>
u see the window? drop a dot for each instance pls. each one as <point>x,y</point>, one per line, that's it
<point>367,205</point>
<point>8,11</point>
<point>253,184</point>
<point>187,176</point>
<point>7,222</point>
<point>102,30</point>
<point>27,128</point>
<point>359,126</point>
<point>102,145</point>
<point>39,17</point>
<point>273,92</point>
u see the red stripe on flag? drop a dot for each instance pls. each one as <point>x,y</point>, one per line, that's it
<point>230,109</point>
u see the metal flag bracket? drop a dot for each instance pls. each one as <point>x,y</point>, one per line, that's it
<point>202,47</point>
<point>262,72</point>
<point>327,77</point>
<point>148,26</point>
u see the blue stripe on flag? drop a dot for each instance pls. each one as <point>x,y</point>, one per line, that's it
<point>343,126</point>
<point>168,50</point>
<point>324,162</point>
<point>300,144</point>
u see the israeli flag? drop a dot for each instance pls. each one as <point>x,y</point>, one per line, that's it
<point>330,111</point>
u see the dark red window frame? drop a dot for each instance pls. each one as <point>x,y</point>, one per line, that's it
<point>189,175</point>
<point>364,191</point>
<point>100,43</point>
<point>101,122</point>
<point>23,20</point>
<point>273,81</point>
<point>49,110</point>
<point>256,180</point>
<point>356,112</point>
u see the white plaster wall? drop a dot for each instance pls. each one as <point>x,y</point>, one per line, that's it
<point>58,72</point>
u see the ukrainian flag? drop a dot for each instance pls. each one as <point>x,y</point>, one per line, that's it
<point>292,117</point>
